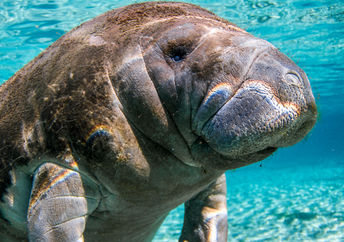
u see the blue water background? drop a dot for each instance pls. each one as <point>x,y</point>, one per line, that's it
<point>295,195</point>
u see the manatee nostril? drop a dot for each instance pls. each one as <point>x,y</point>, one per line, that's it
<point>293,79</point>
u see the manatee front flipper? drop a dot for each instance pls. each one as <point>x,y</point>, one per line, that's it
<point>57,209</point>
<point>205,217</point>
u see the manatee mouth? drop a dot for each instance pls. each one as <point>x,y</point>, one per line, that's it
<point>267,151</point>
<point>208,157</point>
<point>248,124</point>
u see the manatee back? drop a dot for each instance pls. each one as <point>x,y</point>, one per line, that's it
<point>30,99</point>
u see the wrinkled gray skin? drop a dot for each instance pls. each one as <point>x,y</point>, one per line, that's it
<point>136,112</point>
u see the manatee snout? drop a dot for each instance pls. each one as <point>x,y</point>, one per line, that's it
<point>272,107</point>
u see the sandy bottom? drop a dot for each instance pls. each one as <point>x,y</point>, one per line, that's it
<point>295,203</point>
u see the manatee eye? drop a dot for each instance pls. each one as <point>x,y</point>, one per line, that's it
<point>178,54</point>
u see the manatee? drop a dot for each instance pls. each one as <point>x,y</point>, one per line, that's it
<point>135,112</point>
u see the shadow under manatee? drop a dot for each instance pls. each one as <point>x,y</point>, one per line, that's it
<point>289,218</point>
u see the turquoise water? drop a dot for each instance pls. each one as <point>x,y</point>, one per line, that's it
<point>298,193</point>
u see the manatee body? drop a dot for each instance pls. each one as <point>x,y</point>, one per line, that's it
<point>138,111</point>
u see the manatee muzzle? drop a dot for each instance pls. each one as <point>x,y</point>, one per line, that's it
<point>251,120</point>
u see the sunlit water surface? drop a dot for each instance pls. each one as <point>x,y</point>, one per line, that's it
<point>298,193</point>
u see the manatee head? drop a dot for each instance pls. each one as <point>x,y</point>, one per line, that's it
<point>229,98</point>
